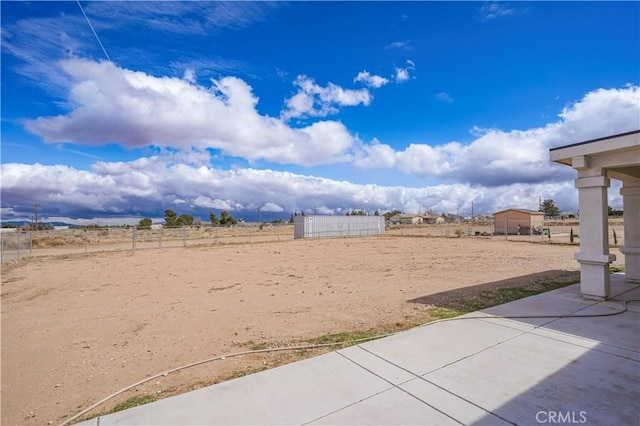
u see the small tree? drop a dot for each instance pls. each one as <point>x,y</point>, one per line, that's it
<point>185,220</point>
<point>226,219</point>
<point>145,223</point>
<point>214,219</point>
<point>549,208</point>
<point>614,212</point>
<point>171,218</point>
<point>388,215</point>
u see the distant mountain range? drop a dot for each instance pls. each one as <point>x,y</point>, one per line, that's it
<point>19,223</point>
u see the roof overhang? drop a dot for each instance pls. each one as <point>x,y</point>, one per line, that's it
<point>618,154</point>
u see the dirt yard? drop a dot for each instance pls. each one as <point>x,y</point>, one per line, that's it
<point>77,328</point>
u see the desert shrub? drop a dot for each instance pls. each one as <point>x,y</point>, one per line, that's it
<point>44,241</point>
<point>9,244</point>
<point>49,242</point>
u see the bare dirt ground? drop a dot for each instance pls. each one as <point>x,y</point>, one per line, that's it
<point>76,328</point>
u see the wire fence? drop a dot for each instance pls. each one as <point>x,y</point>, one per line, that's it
<point>23,243</point>
<point>515,230</point>
<point>19,244</point>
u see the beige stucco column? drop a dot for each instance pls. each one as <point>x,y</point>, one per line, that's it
<point>631,205</point>
<point>597,160</point>
<point>594,257</point>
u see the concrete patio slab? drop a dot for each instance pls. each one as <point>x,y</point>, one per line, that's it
<point>522,377</point>
<point>376,365</point>
<point>610,333</point>
<point>292,394</point>
<point>461,410</point>
<point>390,407</point>
<point>553,304</point>
<point>472,371</point>
<point>430,347</point>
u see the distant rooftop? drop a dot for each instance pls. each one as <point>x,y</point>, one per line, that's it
<point>520,210</point>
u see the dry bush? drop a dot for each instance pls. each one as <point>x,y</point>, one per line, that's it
<point>45,241</point>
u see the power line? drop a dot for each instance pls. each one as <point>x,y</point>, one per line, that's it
<point>94,32</point>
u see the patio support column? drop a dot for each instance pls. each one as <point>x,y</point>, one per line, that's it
<point>594,257</point>
<point>630,192</point>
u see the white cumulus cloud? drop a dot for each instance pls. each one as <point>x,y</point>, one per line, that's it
<point>135,109</point>
<point>371,80</point>
<point>313,100</point>
<point>402,73</point>
<point>498,157</point>
<point>149,185</point>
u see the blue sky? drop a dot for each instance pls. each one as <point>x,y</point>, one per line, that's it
<point>289,106</point>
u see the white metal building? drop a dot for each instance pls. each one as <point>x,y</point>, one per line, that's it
<point>317,226</point>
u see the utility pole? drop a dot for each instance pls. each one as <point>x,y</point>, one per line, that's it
<point>35,215</point>
<point>258,214</point>
<point>472,210</point>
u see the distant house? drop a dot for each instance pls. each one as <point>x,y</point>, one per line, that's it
<point>569,215</point>
<point>407,219</point>
<point>436,220</point>
<point>518,222</point>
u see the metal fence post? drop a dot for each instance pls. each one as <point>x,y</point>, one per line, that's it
<point>184,236</point>
<point>85,241</point>
<point>19,244</point>
<point>134,236</point>
<point>30,241</point>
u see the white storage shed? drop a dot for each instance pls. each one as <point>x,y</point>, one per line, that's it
<point>316,226</point>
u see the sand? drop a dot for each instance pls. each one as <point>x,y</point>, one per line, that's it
<point>76,328</point>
